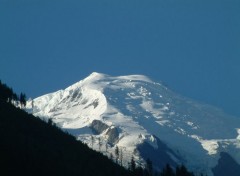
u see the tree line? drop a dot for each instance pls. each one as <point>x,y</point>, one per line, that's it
<point>8,95</point>
<point>148,170</point>
<point>31,146</point>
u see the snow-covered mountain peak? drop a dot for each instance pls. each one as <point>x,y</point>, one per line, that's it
<point>96,76</point>
<point>143,118</point>
<point>92,78</point>
<point>99,81</point>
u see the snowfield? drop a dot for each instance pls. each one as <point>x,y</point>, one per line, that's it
<point>129,111</point>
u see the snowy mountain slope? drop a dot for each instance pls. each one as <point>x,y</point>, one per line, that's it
<point>138,115</point>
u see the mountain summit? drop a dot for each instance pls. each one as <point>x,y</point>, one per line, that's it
<point>144,119</point>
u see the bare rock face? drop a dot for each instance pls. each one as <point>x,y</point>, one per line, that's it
<point>98,126</point>
<point>112,132</point>
<point>113,135</point>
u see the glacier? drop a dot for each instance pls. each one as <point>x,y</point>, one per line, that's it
<point>144,118</point>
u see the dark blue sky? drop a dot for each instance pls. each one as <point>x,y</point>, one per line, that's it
<point>193,46</point>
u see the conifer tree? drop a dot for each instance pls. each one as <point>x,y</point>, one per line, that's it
<point>132,164</point>
<point>111,156</point>
<point>99,143</point>
<point>117,153</point>
<point>23,100</point>
<point>50,122</point>
<point>32,104</point>
<point>92,140</point>
<point>169,170</point>
<point>106,147</point>
<point>182,171</point>
<point>149,167</point>
<point>121,156</point>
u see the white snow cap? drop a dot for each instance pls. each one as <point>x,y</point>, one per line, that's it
<point>133,110</point>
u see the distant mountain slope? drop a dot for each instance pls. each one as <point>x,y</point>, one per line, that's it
<point>144,119</point>
<point>29,146</point>
<point>226,166</point>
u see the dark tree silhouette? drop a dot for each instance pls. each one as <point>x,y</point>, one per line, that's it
<point>117,153</point>
<point>111,157</point>
<point>7,94</point>
<point>182,171</point>
<point>99,144</point>
<point>132,165</point>
<point>23,100</point>
<point>106,147</point>
<point>92,140</point>
<point>30,146</point>
<point>121,156</point>
<point>149,167</point>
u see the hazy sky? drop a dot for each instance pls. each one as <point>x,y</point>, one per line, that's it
<point>193,46</point>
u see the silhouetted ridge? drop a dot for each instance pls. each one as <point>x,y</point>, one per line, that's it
<point>30,146</point>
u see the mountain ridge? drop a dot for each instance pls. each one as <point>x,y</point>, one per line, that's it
<point>142,111</point>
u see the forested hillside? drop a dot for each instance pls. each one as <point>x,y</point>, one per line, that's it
<point>30,146</point>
